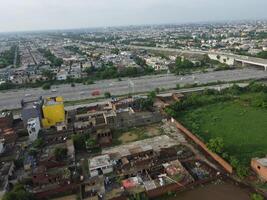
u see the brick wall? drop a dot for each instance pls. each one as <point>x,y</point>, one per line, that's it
<point>227,167</point>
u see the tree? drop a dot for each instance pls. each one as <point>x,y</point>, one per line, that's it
<point>79,141</point>
<point>60,153</point>
<point>107,95</point>
<point>90,143</point>
<point>46,86</point>
<point>256,197</point>
<point>216,145</point>
<point>205,60</point>
<point>262,54</point>
<point>18,193</point>
<point>48,74</point>
<point>115,51</point>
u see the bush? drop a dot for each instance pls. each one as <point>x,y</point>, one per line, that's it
<point>256,197</point>
<point>18,193</point>
<point>107,95</point>
<point>60,153</point>
<point>216,145</point>
<point>46,86</point>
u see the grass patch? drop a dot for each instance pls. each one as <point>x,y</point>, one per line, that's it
<point>242,127</point>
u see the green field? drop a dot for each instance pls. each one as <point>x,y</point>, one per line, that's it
<point>242,127</point>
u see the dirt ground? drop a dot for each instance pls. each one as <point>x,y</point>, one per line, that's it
<point>141,133</point>
<point>225,191</point>
<point>152,131</point>
<point>128,137</point>
<point>70,197</point>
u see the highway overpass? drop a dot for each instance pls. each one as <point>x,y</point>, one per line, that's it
<point>228,58</point>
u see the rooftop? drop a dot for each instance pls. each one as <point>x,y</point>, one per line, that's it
<point>263,161</point>
<point>99,161</point>
<point>155,143</point>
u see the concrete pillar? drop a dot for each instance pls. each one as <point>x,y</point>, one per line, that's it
<point>265,68</point>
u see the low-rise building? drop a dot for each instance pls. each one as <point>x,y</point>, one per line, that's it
<point>259,165</point>
<point>6,120</point>
<point>2,146</point>
<point>53,112</point>
<point>31,109</point>
<point>100,165</point>
<point>33,128</point>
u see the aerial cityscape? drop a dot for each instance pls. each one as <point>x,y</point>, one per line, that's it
<point>131,108</point>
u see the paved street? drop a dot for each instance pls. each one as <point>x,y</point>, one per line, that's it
<point>11,99</point>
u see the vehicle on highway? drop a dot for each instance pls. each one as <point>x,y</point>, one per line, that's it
<point>54,90</point>
<point>96,93</point>
<point>28,95</point>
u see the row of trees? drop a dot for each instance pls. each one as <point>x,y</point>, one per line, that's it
<point>75,49</point>
<point>110,71</point>
<point>184,65</point>
<point>7,57</point>
<point>55,61</point>
<point>216,145</point>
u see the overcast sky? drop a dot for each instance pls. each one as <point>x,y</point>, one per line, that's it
<point>17,15</point>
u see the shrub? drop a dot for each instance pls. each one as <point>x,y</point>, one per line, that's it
<point>46,86</point>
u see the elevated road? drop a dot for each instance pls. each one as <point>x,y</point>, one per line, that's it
<point>244,60</point>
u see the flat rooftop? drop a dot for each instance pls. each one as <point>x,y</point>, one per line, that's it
<point>263,161</point>
<point>99,161</point>
<point>155,143</point>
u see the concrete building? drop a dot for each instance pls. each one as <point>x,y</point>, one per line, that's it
<point>31,109</point>
<point>53,112</point>
<point>2,146</point>
<point>259,165</point>
<point>33,128</point>
<point>100,165</point>
<point>6,120</point>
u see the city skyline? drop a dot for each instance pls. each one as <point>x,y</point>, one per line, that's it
<point>65,14</point>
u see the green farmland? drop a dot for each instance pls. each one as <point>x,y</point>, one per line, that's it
<point>242,127</point>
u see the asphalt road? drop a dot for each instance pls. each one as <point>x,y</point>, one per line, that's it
<point>11,99</point>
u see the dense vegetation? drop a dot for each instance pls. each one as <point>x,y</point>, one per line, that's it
<point>7,57</point>
<point>18,193</point>
<point>183,65</point>
<point>109,71</point>
<point>262,54</point>
<point>75,49</point>
<point>232,122</point>
<point>55,61</point>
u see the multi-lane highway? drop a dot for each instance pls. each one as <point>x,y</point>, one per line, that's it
<point>11,99</point>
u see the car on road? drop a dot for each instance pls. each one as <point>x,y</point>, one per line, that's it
<point>96,93</point>
<point>54,90</point>
<point>28,95</point>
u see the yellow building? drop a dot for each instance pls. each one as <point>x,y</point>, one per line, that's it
<point>53,111</point>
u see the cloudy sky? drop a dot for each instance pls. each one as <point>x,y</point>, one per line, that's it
<point>17,15</point>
